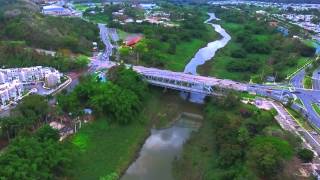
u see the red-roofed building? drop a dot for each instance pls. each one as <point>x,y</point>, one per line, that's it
<point>133,41</point>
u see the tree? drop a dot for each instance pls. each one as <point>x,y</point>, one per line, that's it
<point>140,48</point>
<point>28,158</point>
<point>128,79</point>
<point>267,155</point>
<point>124,53</point>
<point>13,125</point>
<point>46,132</point>
<point>82,61</point>
<point>306,155</point>
<point>121,105</point>
<point>33,107</point>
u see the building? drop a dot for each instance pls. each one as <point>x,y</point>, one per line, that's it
<point>133,41</point>
<point>10,92</point>
<point>55,10</point>
<point>14,81</point>
<point>52,80</point>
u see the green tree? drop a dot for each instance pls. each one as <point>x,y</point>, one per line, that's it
<point>82,61</point>
<point>139,49</point>
<point>306,155</point>
<point>28,158</point>
<point>268,154</point>
<point>46,132</point>
<point>33,107</point>
<point>128,79</point>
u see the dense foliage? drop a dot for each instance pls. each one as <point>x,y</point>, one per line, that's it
<point>160,40</point>
<point>34,157</point>
<point>15,54</point>
<point>238,142</point>
<point>257,49</point>
<point>22,21</point>
<point>120,99</point>
<point>27,116</point>
<point>34,151</point>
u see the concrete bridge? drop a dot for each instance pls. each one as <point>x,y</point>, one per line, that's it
<point>186,82</point>
<point>177,80</point>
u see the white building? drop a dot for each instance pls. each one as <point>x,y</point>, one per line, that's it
<point>56,10</point>
<point>12,81</point>
<point>10,92</point>
<point>52,80</point>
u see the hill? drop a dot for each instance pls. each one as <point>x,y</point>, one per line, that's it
<point>21,20</point>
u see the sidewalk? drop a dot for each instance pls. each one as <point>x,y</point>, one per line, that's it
<point>288,122</point>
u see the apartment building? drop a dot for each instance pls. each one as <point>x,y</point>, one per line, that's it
<point>12,81</point>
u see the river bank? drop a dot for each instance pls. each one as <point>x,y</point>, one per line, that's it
<point>103,149</point>
<point>148,165</point>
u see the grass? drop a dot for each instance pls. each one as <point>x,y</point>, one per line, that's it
<point>185,52</point>
<point>199,159</point>
<point>300,63</point>
<point>81,7</point>
<point>197,155</point>
<point>104,149</point>
<point>307,82</point>
<point>299,102</point>
<point>300,120</point>
<point>101,149</point>
<point>309,42</point>
<point>98,18</point>
<point>218,65</point>
<point>122,34</point>
<point>316,108</point>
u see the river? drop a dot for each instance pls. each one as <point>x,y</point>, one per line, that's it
<point>206,54</point>
<point>163,146</point>
<point>160,150</point>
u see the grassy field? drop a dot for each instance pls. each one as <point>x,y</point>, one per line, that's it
<point>81,7</point>
<point>101,149</point>
<point>218,65</point>
<point>316,108</point>
<point>186,51</point>
<point>307,82</point>
<point>303,122</point>
<point>300,63</point>
<point>105,149</point>
<point>298,101</point>
<point>98,18</point>
<point>122,34</point>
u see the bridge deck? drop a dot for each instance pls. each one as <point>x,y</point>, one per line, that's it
<point>178,76</point>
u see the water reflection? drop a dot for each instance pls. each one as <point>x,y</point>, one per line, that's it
<point>159,151</point>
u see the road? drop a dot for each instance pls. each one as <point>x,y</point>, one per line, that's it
<point>297,80</point>
<point>316,79</point>
<point>288,123</point>
<point>104,35</point>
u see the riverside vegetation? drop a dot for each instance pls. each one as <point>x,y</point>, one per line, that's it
<point>239,141</point>
<point>257,50</point>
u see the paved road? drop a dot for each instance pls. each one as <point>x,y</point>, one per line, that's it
<point>297,80</point>
<point>104,36</point>
<point>316,79</point>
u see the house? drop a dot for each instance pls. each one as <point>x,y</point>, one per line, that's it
<point>133,41</point>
